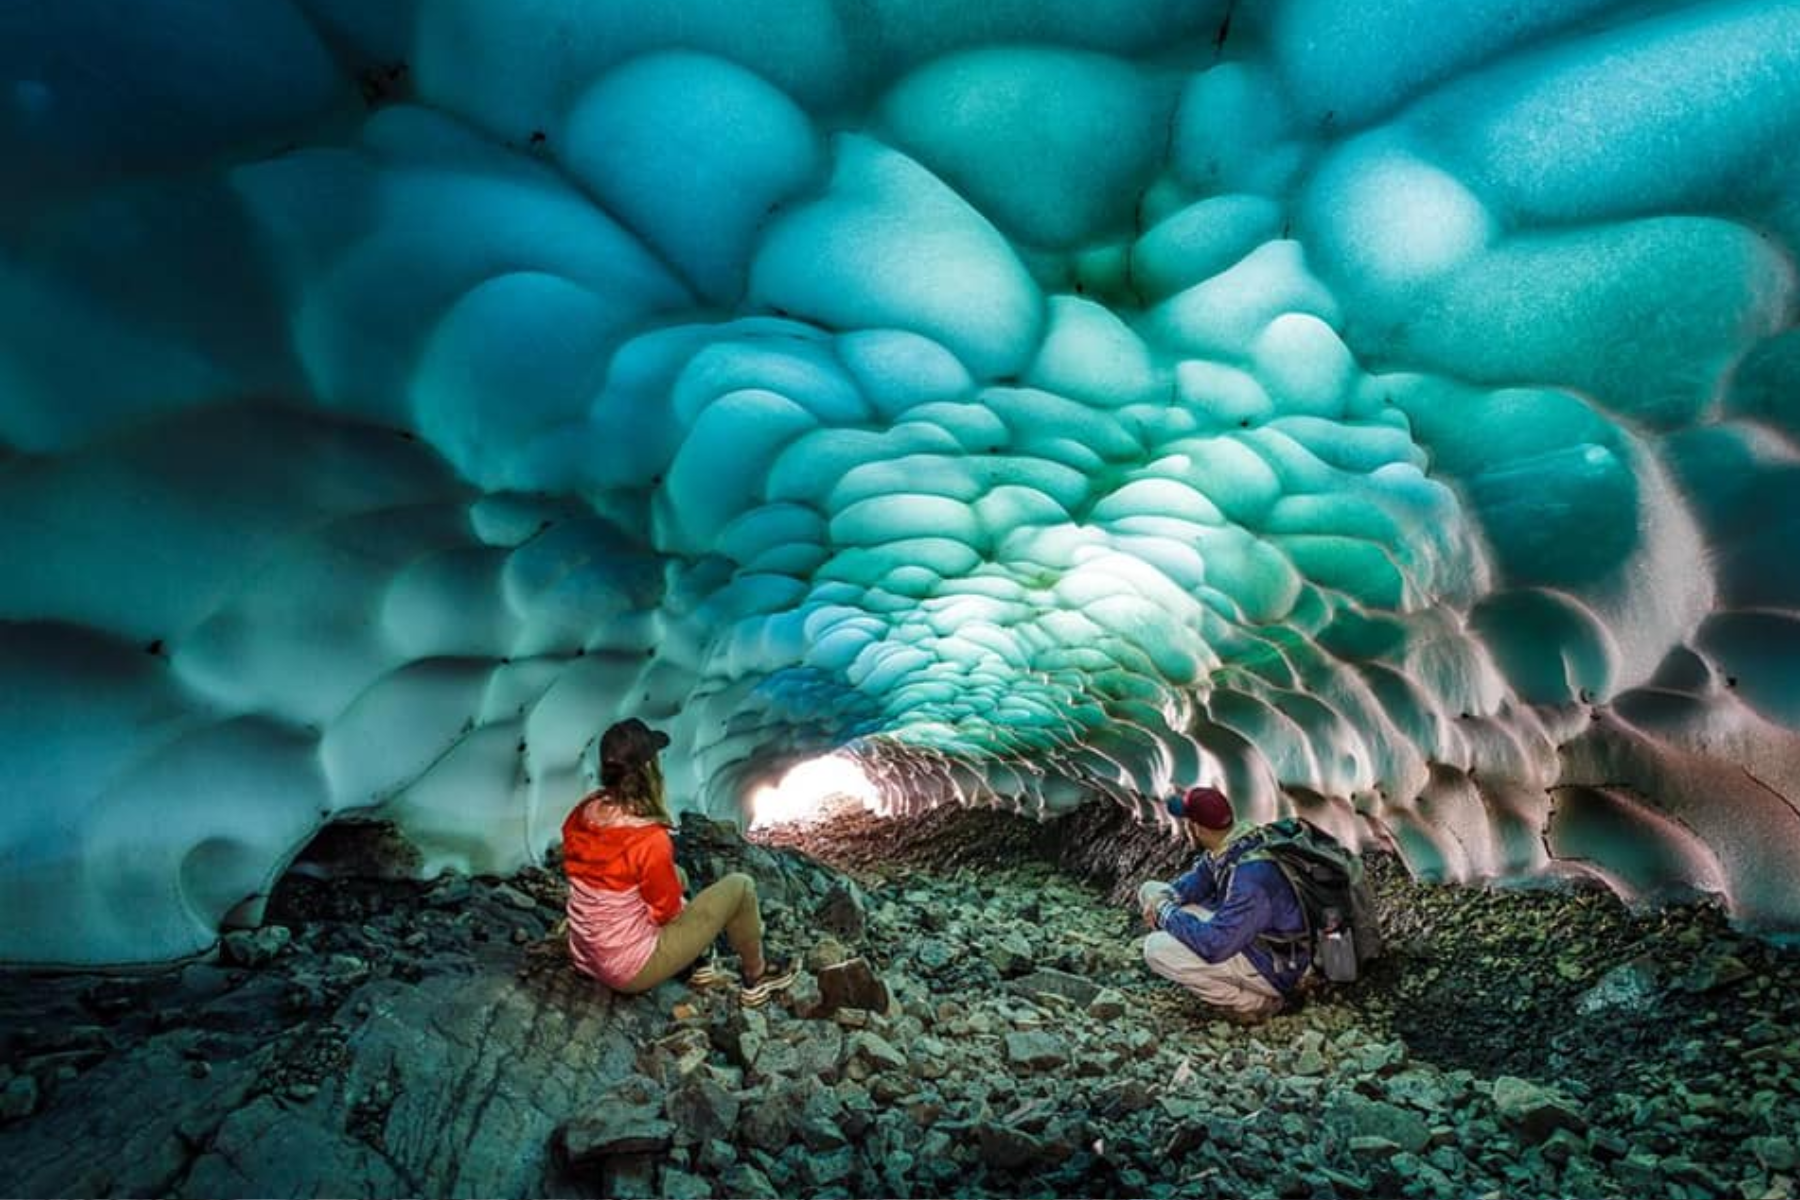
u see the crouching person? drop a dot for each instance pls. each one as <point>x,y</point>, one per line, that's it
<point>1231,930</point>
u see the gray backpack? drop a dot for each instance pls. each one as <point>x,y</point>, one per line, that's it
<point>1341,926</point>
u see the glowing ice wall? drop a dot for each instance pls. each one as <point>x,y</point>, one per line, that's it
<point>1390,409</point>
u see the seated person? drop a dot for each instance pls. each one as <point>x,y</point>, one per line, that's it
<point>629,925</point>
<point>1230,931</point>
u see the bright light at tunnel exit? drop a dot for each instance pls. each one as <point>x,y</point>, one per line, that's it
<point>810,789</point>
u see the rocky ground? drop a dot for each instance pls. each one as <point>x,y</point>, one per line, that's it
<point>975,1023</point>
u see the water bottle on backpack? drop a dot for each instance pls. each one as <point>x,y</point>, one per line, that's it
<point>1337,948</point>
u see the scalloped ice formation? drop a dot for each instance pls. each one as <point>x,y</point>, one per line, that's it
<point>1390,411</point>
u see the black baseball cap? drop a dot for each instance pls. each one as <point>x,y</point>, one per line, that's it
<point>631,742</point>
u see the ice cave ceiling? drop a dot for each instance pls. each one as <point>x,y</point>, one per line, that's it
<point>1389,409</point>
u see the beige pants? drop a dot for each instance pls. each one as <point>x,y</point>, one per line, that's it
<point>1233,985</point>
<point>728,905</point>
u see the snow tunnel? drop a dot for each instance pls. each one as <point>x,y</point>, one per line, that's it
<point>1391,409</point>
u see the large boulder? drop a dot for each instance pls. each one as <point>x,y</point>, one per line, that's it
<point>1534,1110</point>
<point>851,984</point>
<point>1034,1050</point>
<point>628,1120</point>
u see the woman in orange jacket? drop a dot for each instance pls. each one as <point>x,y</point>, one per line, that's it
<point>629,924</point>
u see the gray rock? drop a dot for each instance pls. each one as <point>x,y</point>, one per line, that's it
<point>851,984</point>
<point>930,1059</point>
<point>1629,988</point>
<point>1089,1065</point>
<point>842,912</point>
<point>346,968</point>
<point>1343,1181</point>
<point>748,1182</point>
<point>934,954</point>
<point>618,1127</point>
<point>1534,1110</point>
<point>824,953</point>
<point>131,1148</point>
<point>802,996</point>
<point>716,1156</point>
<point>824,1170</point>
<point>1714,972</point>
<point>769,1124</point>
<point>1006,1148</point>
<point>1640,1172</point>
<point>19,1098</point>
<point>1126,1096</point>
<point>506,893</point>
<point>254,947</point>
<point>679,1185</point>
<point>818,1052</point>
<point>1424,1090</point>
<point>1775,1153</point>
<point>702,1109</point>
<point>1382,1056</point>
<point>1359,1116</point>
<point>1035,1050</point>
<point>1309,1062</point>
<point>679,1055</point>
<point>1608,1145</point>
<point>778,1060</point>
<point>1447,1158</point>
<point>1561,1146</point>
<point>1697,1176</point>
<point>896,1172</point>
<point>819,1133</point>
<point>876,1052</point>
<point>1010,954</point>
<point>630,1177</point>
<point>741,1035</point>
<point>451,891</point>
<point>201,982</point>
<point>1049,980</point>
<point>1108,1004</point>
<point>265,1141</point>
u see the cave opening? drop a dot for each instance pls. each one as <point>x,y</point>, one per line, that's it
<point>812,790</point>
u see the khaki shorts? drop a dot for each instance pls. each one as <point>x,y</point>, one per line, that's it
<point>728,906</point>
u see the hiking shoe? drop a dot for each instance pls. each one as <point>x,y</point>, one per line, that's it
<point>709,974</point>
<point>778,975</point>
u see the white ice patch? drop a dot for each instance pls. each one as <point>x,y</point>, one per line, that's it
<point>1387,221</point>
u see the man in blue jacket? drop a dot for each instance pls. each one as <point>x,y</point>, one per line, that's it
<point>1231,930</point>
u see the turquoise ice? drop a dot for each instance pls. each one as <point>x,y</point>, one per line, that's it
<point>1390,412</point>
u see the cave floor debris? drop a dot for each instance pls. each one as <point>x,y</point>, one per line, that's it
<point>406,1038</point>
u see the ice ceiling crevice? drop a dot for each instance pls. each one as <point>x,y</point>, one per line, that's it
<point>1392,413</point>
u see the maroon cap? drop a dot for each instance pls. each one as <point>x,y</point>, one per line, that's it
<point>1206,807</point>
